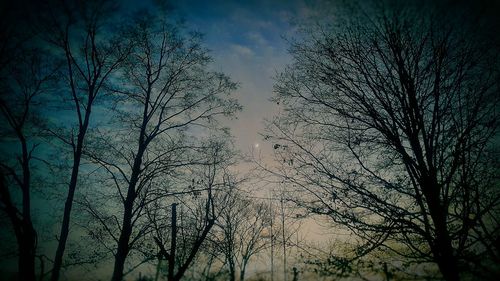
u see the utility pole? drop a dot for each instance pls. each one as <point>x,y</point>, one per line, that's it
<point>272,236</point>
<point>173,242</point>
<point>283,236</point>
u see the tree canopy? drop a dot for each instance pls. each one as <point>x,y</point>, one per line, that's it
<point>388,127</point>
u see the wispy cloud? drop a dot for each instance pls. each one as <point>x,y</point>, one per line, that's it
<point>257,38</point>
<point>241,50</point>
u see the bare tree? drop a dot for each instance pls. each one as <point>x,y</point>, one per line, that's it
<point>76,30</point>
<point>387,128</point>
<point>242,228</point>
<point>208,186</point>
<point>164,94</point>
<point>25,75</point>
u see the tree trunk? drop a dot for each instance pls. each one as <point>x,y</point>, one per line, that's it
<point>23,228</point>
<point>441,248</point>
<point>242,271</point>
<point>158,267</point>
<point>68,205</point>
<point>232,272</point>
<point>123,242</point>
<point>26,262</point>
<point>63,237</point>
<point>443,253</point>
<point>182,269</point>
<point>447,264</point>
<point>128,206</point>
<point>27,235</point>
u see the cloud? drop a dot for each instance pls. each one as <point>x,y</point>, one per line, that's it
<point>257,38</point>
<point>241,50</point>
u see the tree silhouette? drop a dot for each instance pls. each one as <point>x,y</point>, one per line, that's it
<point>26,75</point>
<point>206,192</point>
<point>242,225</point>
<point>163,92</point>
<point>77,32</point>
<point>388,127</point>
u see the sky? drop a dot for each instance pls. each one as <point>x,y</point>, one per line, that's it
<point>248,41</point>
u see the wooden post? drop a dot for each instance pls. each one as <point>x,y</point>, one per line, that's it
<point>173,242</point>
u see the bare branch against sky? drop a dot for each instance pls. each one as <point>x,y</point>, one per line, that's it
<point>249,140</point>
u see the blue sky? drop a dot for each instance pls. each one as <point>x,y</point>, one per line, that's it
<point>247,42</point>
